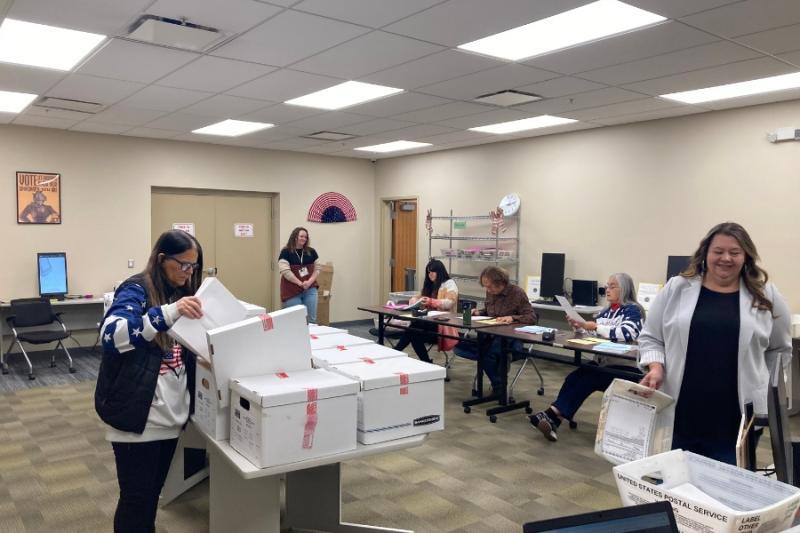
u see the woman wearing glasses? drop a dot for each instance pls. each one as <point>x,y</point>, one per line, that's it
<point>143,385</point>
<point>298,264</point>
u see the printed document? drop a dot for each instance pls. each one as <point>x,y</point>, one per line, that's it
<point>571,312</point>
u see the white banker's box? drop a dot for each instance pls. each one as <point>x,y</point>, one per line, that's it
<point>352,354</point>
<point>288,417</point>
<point>208,416</point>
<point>399,397</point>
<point>320,342</point>
<point>317,330</point>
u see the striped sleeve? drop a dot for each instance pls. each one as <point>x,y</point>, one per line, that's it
<point>624,325</point>
<point>129,323</point>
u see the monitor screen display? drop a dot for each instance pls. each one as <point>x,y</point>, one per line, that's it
<point>779,432</point>
<point>52,274</point>
<point>552,275</point>
<point>676,264</point>
<point>655,517</point>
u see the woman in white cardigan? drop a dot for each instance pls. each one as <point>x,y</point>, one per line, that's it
<point>710,337</point>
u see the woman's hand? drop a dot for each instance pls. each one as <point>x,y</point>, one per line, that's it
<point>426,302</point>
<point>654,377</point>
<point>190,307</point>
<point>576,324</point>
<point>306,284</point>
<point>504,319</point>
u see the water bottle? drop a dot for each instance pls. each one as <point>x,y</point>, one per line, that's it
<point>467,318</point>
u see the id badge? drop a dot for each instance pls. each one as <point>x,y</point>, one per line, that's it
<point>303,272</point>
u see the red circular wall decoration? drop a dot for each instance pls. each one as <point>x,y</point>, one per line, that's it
<point>331,207</point>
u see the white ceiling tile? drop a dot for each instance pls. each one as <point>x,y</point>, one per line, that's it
<point>564,128</point>
<point>56,113</point>
<point>610,95</point>
<point>20,78</point>
<point>278,133</point>
<point>293,144</point>
<point>676,111</point>
<point>471,86</point>
<point>332,120</point>
<point>659,39</point>
<point>563,86</point>
<point>99,127</point>
<point>379,125</point>
<point>282,3</point>
<point>461,21</point>
<point>494,116</point>
<point>399,103</point>
<point>779,96</point>
<point>126,60</point>
<point>366,54</point>
<point>747,17</point>
<point>230,16</point>
<point>44,122</point>
<point>415,133</point>
<point>225,106</point>
<point>731,73</point>
<point>164,98</point>
<point>214,74</point>
<point>775,41</point>
<point>372,13</point>
<point>326,149</point>
<point>152,133</point>
<point>623,108</point>
<point>180,122</point>
<point>287,38</point>
<point>699,57</point>
<point>678,8</point>
<point>107,17</point>
<point>791,57</point>
<point>432,69</point>
<point>281,113</point>
<point>455,137</point>
<point>6,118</point>
<point>126,116</point>
<point>284,85</point>
<point>93,89</point>
<point>442,112</point>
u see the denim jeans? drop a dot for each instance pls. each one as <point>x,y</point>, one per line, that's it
<point>469,350</point>
<point>422,334</point>
<point>141,470</point>
<point>308,298</point>
<point>580,384</point>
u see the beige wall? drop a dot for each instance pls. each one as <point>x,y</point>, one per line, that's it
<point>623,198</point>
<point>106,183</point>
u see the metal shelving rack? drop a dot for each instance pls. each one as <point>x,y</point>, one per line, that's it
<point>509,263</point>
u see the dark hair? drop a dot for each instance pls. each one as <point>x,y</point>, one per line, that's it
<point>430,288</point>
<point>171,242</point>
<point>753,276</point>
<point>495,275</point>
<point>291,244</point>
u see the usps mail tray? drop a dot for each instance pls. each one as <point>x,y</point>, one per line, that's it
<point>286,417</point>
<point>399,397</point>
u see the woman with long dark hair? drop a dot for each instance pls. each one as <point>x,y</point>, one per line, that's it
<point>298,264</point>
<point>440,293</point>
<point>709,337</point>
<point>143,388</point>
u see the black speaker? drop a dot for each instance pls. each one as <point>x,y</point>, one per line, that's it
<point>584,292</point>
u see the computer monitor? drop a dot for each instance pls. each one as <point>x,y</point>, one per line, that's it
<point>779,433</point>
<point>52,268</point>
<point>646,518</point>
<point>552,283</point>
<point>676,264</point>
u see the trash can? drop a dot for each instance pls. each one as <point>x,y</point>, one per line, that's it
<point>410,279</point>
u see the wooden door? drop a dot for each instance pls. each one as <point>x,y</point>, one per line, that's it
<point>404,241</point>
<point>168,208</point>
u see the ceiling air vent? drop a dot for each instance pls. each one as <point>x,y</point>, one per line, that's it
<point>507,98</point>
<point>329,136</point>
<point>174,33</point>
<point>65,104</point>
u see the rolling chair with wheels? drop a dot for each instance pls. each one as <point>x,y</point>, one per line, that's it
<point>540,391</point>
<point>31,313</point>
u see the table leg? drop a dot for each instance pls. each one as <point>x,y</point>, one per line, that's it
<point>313,502</point>
<point>242,505</point>
<point>381,327</point>
<point>484,344</point>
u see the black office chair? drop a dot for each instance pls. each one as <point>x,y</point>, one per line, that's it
<point>31,313</point>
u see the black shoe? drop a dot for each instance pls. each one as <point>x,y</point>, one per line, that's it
<point>546,425</point>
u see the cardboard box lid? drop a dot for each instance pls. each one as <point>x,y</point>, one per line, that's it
<point>253,309</point>
<point>275,342</point>
<point>284,388</point>
<point>391,372</point>
<point>336,339</point>
<point>354,354</point>
<point>318,330</point>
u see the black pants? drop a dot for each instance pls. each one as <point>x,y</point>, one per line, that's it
<point>422,333</point>
<point>141,470</point>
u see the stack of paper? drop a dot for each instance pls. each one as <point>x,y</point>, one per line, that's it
<point>613,347</point>
<point>534,330</point>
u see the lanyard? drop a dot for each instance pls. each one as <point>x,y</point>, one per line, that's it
<point>300,255</point>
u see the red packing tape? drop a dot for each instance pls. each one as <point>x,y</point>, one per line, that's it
<point>266,321</point>
<point>403,383</point>
<point>341,348</point>
<point>368,360</point>
<point>282,375</point>
<point>314,337</point>
<point>311,420</point>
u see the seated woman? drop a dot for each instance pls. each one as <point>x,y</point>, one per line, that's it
<point>440,293</point>
<point>508,304</point>
<point>621,321</point>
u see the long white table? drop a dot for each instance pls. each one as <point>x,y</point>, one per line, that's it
<point>247,499</point>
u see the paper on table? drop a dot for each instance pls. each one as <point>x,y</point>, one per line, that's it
<point>587,342</point>
<point>613,347</point>
<point>533,329</point>
<point>220,308</point>
<point>476,317</point>
<point>571,312</point>
<point>436,313</point>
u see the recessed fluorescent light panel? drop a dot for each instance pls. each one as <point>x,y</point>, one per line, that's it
<point>344,95</point>
<point>37,45</point>
<point>11,102</point>
<point>543,121</point>
<point>736,90</point>
<point>395,146</point>
<point>233,128</point>
<point>587,23</point>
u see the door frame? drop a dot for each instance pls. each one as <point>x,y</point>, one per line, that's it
<point>385,239</point>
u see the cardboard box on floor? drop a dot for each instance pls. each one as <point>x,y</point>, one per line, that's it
<point>325,281</point>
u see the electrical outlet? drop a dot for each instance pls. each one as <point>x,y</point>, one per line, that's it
<point>131,263</point>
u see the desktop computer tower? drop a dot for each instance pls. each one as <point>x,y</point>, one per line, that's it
<point>584,292</point>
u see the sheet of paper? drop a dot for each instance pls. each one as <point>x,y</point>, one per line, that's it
<point>478,318</point>
<point>647,293</point>
<point>533,285</point>
<point>628,429</point>
<point>587,342</point>
<point>436,313</point>
<point>535,330</point>
<point>567,307</point>
<point>613,347</point>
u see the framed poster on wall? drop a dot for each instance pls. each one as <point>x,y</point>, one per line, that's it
<point>38,198</point>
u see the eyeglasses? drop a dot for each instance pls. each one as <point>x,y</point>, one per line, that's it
<point>185,266</point>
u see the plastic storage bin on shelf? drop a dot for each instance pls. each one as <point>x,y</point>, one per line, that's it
<point>450,252</point>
